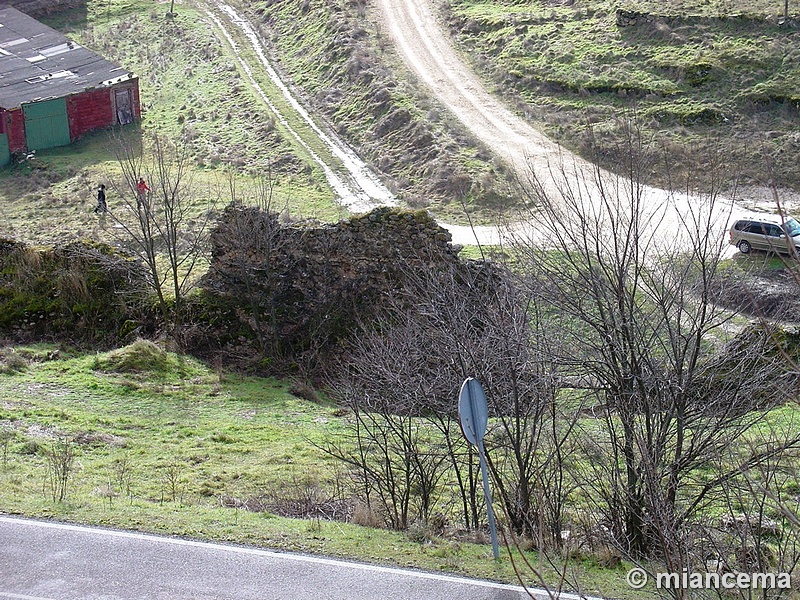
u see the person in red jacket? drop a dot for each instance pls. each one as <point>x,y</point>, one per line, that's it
<point>141,188</point>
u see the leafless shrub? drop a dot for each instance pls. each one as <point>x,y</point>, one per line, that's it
<point>122,475</point>
<point>643,337</point>
<point>305,390</point>
<point>365,515</point>
<point>60,457</point>
<point>173,480</point>
<point>7,433</point>
<point>12,361</point>
<point>106,493</point>
<point>307,498</point>
<point>253,504</point>
<point>401,380</point>
<point>163,227</point>
<point>394,463</point>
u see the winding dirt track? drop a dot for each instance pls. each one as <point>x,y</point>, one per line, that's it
<point>424,45</point>
<point>354,185</point>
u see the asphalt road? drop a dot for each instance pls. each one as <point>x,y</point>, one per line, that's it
<point>42,560</point>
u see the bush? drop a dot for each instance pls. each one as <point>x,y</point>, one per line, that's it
<point>82,291</point>
<point>140,357</point>
<point>12,361</point>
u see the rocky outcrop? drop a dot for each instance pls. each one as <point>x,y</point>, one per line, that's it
<point>305,285</point>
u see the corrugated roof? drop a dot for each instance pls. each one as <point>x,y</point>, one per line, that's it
<point>37,62</point>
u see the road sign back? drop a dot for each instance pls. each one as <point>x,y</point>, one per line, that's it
<point>473,413</point>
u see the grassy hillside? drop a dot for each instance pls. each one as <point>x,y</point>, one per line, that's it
<point>143,439</point>
<point>192,93</point>
<point>161,442</point>
<point>337,54</point>
<point>702,79</point>
<point>156,442</point>
<point>705,81</point>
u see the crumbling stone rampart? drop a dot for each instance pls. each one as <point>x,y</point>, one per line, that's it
<point>293,282</point>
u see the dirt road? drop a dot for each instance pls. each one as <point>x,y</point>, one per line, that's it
<point>425,46</point>
<point>355,185</point>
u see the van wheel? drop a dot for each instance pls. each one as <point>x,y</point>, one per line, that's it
<point>744,247</point>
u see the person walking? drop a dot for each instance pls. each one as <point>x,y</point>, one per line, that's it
<point>101,207</point>
<point>142,188</point>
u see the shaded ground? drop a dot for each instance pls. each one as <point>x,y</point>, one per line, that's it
<point>772,293</point>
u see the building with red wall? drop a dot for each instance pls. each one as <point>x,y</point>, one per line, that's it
<point>53,91</point>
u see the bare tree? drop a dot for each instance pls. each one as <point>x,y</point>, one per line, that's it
<point>467,319</point>
<point>60,466</point>
<point>478,319</point>
<point>632,277</point>
<point>392,446</point>
<point>167,226</point>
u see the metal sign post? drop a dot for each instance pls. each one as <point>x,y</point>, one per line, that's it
<point>473,414</point>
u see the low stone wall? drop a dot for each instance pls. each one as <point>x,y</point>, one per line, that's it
<point>631,18</point>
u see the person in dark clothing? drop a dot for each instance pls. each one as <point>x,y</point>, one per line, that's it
<point>101,207</point>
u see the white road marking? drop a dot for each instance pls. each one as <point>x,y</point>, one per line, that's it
<point>277,555</point>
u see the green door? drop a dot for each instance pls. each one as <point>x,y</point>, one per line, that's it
<point>46,124</point>
<point>5,155</point>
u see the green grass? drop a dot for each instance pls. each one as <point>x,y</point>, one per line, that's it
<point>156,408</point>
<point>701,75</point>
<point>197,97</point>
<point>192,91</point>
<point>165,444</point>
